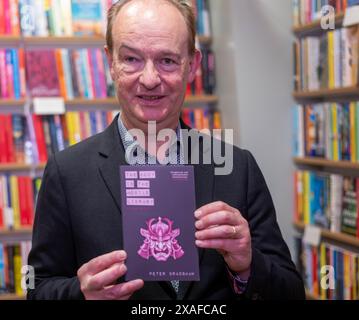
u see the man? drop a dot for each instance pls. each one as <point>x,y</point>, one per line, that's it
<point>77,237</point>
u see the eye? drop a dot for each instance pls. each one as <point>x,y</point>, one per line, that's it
<point>130,59</point>
<point>168,61</point>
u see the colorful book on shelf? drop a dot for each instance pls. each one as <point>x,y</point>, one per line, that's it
<point>41,76</point>
<point>87,17</point>
<point>12,257</point>
<point>18,195</point>
<point>350,206</point>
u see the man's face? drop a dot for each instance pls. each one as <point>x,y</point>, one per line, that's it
<point>150,63</point>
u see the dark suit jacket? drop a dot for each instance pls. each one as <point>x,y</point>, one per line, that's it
<point>78,217</point>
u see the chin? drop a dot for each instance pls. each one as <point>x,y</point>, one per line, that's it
<point>153,114</point>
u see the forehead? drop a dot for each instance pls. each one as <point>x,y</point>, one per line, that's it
<point>150,24</point>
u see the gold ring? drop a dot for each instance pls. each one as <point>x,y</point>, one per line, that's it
<point>234,233</point>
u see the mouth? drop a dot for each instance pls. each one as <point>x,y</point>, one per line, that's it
<point>151,98</point>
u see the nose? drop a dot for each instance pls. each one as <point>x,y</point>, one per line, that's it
<point>150,78</point>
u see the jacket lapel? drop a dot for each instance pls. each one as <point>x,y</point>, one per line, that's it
<point>112,156</point>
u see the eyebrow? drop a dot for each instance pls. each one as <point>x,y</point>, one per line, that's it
<point>165,52</point>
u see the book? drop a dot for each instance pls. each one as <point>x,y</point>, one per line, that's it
<point>86,17</point>
<point>158,204</point>
<point>42,79</point>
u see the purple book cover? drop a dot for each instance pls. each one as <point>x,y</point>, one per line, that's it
<point>158,204</point>
<point>41,73</point>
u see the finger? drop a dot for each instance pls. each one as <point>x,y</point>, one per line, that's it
<point>212,207</point>
<point>124,290</point>
<point>106,277</point>
<point>220,232</point>
<point>218,218</point>
<point>218,244</point>
<point>105,261</point>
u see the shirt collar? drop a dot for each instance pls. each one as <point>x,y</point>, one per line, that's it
<point>128,141</point>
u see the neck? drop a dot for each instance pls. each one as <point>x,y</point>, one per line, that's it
<point>148,133</point>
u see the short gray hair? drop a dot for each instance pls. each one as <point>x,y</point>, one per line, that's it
<point>184,6</point>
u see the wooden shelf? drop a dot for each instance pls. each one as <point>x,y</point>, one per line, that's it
<point>110,101</point>
<point>20,167</point>
<point>64,41</point>
<point>22,231</point>
<point>335,236</point>
<point>205,40</point>
<point>68,41</point>
<point>12,296</point>
<point>320,162</point>
<point>315,26</point>
<point>338,93</point>
<point>11,102</point>
<point>310,296</point>
<point>201,99</point>
<point>114,102</point>
<point>6,40</point>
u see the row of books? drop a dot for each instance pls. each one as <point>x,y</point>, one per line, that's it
<point>329,201</point>
<point>328,61</point>
<point>78,73</point>
<point>307,11</point>
<point>202,118</point>
<point>13,257</point>
<point>203,21</point>
<point>68,73</point>
<point>327,130</point>
<point>17,201</point>
<point>12,73</point>
<point>71,17</point>
<point>31,139</point>
<point>205,80</point>
<point>329,272</point>
<point>53,17</point>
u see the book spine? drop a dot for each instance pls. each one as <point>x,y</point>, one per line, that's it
<point>4,77</point>
<point>18,221</point>
<point>15,20</point>
<point>10,72</point>
<point>16,72</point>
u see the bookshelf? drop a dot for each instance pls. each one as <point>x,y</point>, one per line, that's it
<point>16,41</point>
<point>190,100</point>
<point>5,167</point>
<point>327,168</point>
<point>4,297</point>
<point>315,26</point>
<point>327,94</point>
<point>337,237</point>
<point>18,232</point>
<point>202,101</point>
<point>321,162</point>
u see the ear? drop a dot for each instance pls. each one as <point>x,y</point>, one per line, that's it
<point>194,64</point>
<point>109,57</point>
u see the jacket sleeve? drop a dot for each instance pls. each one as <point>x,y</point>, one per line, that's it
<point>273,274</point>
<point>53,254</point>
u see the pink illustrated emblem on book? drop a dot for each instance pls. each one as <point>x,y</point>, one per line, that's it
<point>160,240</point>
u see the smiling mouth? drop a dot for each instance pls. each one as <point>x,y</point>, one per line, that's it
<point>150,98</point>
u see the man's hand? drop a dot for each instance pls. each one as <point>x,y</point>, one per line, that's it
<point>98,278</point>
<point>221,227</point>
